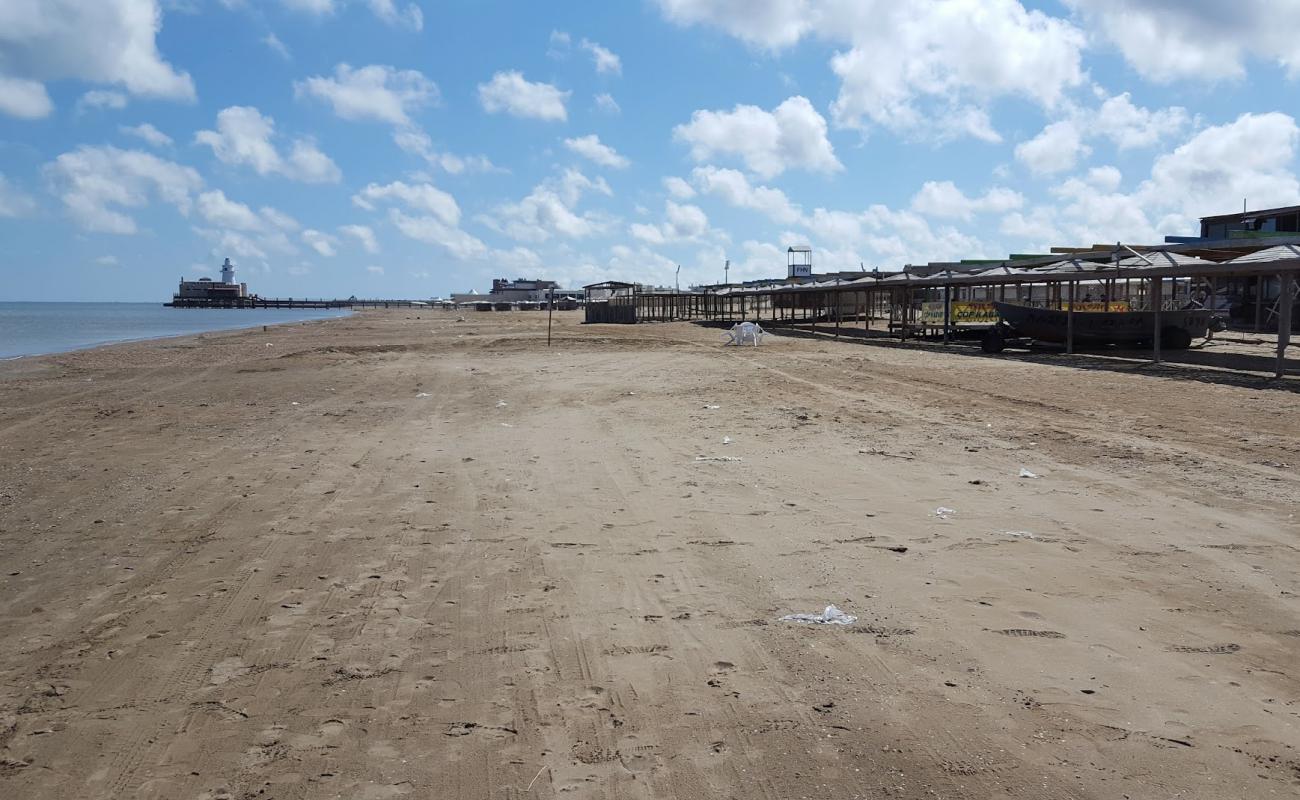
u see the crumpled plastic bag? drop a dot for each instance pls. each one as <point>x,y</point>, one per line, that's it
<point>831,616</point>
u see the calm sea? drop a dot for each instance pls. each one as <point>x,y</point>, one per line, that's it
<point>28,329</point>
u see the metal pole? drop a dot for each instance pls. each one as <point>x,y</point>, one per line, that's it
<point>947,314</point>
<point>1286,300</point>
<point>550,312</point>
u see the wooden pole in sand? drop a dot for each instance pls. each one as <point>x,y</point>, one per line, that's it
<point>1285,300</point>
<point>1069,321</point>
<point>550,312</point>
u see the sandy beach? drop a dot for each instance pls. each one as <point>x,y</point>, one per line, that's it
<point>402,555</point>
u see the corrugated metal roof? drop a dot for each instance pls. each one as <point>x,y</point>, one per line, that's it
<point>1278,253</point>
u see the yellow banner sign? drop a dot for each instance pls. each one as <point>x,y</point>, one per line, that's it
<point>972,312</point>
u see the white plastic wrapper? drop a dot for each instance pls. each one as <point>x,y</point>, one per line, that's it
<point>831,616</point>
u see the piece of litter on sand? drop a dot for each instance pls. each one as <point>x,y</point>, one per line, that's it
<point>726,440</point>
<point>716,458</point>
<point>424,394</point>
<point>712,408</point>
<point>1020,534</point>
<point>294,403</point>
<point>831,616</point>
<point>944,513</point>
<point>1024,473</point>
<point>506,425</point>
<point>501,404</point>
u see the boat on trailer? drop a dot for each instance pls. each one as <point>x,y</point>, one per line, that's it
<point>1125,328</point>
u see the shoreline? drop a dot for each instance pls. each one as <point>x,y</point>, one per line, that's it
<point>408,555</point>
<point>164,337</point>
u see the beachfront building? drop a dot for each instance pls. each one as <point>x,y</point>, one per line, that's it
<point>520,293</point>
<point>208,289</point>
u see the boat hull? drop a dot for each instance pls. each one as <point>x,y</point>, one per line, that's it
<point>1101,327</point>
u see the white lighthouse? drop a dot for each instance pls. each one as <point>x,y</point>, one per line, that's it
<point>227,272</point>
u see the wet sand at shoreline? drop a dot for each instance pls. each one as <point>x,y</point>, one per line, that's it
<point>401,555</point>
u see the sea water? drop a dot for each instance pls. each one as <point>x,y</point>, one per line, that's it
<point>28,329</point>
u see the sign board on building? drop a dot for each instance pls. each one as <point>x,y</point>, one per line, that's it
<point>800,271</point>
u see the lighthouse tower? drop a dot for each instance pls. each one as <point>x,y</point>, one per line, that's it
<point>227,272</point>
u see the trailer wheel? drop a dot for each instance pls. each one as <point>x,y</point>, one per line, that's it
<point>1175,338</point>
<point>992,342</point>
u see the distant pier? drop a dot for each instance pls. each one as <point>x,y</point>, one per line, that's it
<point>287,302</point>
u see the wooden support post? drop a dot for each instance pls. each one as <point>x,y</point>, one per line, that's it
<point>947,314</point>
<point>1156,285</point>
<point>839,305</point>
<point>1069,320</point>
<point>1259,302</point>
<point>1286,300</point>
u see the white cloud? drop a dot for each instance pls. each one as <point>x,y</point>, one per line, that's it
<point>243,137</point>
<point>944,199</point>
<point>605,61</point>
<point>108,41</point>
<point>591,148</point>
<point>24,99</point>
<point>734,188</point>
<point>682,222</point>
<point>422,197</point>
<point>912,65</point>
<point>376,92</point>
<point>14,202</point>
<point>273,42</point>
<point>100,99</point>
<point>410,17</point>
<point>223,212</point>
<point>279,219</point>
<point>417,142</point>
<point>95,182</point>
<point>1105,178</point>
<point>107,261</point>
<point>1057,148</point>
<point>510,93</point>
<point>793,135</point>
<point>679,188</point>
<point>374,270</point>
<point>432,230</point>
<point>605,102</point>
<point>148,133</point>
<point>322,243</point>
<point>363,234</point>
<point>1131,126</point>
<point>1209,39</point>
<point>549,210</point>
<point>559,44</point>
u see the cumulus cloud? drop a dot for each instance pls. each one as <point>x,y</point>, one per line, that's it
<point>95,183</point>
<point>735,189</point>
<point>606,61</point>
<point>374,270</point>
<point>13,201</point>
<point>364,236</point>
<point>791,136</point>
<point>24,99</point>
<point>1128,125</point>
<point>1056,149</point>
<point>510,93</point>
<point>376,92</point>
<point>276,46</point>
<point>1167,41</point>
<point>679,188</point>
<point>432,230</point>
<point>591,148</point>
<point>549,210</point>
<point>244,137</point>
<point>409,16</point>
<point>101,99</point>
<point>109,41</point>
<point>912,65</point>
<point>682,222</point>
<point>148,133</point>
<point>417,142</point>
<point>223,212</point>
<point>421,197</point>
<point>944,199</point>
<point>322,243</point>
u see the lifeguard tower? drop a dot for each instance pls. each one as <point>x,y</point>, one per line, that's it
<point>798,260</point>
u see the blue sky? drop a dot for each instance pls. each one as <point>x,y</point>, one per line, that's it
<point>411,148</point>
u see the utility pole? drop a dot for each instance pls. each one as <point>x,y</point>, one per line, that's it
<point>677,279</point>
<point>726,273</point>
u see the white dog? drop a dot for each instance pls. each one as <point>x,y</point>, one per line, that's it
<point>745,333</point>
